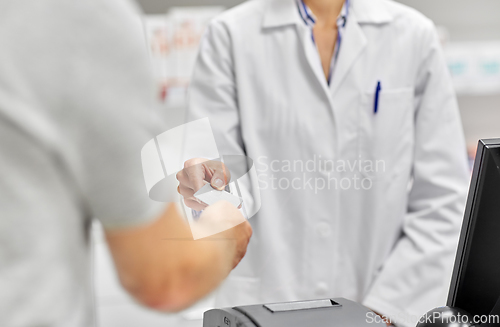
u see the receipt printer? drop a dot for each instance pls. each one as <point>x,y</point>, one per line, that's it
<point>336,312</point>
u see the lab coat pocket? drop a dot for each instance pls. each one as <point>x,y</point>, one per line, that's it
<point>386,133</point>
<point>236,290</point>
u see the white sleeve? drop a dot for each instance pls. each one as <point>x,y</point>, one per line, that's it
<point>415,277</point>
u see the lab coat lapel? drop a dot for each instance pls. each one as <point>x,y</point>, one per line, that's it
<point>312,56</point>
<point>285,12</point>
<point>353,44</point>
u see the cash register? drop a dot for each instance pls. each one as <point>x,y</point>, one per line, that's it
<point>336,312</point>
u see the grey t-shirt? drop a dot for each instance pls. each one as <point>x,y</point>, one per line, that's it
<point>76,101</point>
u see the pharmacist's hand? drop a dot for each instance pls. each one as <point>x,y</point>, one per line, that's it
<point>196,173</point>
<point>227,226</point>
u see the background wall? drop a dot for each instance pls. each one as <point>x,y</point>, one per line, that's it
<point>161,6</point>
<point>465,20</point>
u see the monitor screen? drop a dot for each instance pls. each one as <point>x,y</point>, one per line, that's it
<point>475,285</point>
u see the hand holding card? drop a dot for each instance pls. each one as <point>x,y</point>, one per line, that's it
<point>209,195</point>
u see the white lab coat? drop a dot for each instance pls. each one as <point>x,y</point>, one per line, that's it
<point>258,78</point>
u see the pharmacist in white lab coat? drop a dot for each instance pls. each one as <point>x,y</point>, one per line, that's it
<point>355,133</point>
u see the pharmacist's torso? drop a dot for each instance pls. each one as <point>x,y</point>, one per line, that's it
<point>333,174</point>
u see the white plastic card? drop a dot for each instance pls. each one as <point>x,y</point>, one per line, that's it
<point>209,195</point>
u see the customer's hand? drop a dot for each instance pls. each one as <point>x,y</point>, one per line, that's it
<point>228,227</point>
<point>196,173</point>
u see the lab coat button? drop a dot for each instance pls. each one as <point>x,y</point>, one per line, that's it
<point>321,288</point>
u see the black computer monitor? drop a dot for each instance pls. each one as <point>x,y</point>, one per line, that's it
<point>475,285</point>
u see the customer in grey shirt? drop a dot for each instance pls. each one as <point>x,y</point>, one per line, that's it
<point>75,110</point>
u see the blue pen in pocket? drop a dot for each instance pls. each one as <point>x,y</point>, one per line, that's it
<point>377,94</point>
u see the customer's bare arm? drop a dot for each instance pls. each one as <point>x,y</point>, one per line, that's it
<point>164,268</point>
